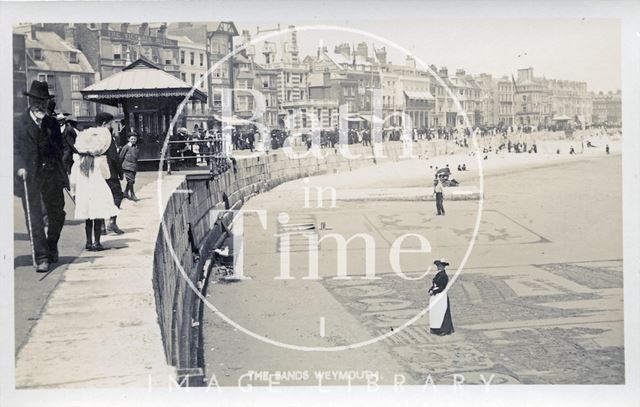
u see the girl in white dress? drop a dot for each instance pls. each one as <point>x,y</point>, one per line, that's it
<point>94,201</point>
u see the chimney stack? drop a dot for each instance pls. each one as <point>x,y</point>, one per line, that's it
<point>143,29</point>
<point>70,35</point>
<point>162,31</point>
<point>344,50</point>
<point>410,62</point>
<point>362,50</point>
<point>381,55</point>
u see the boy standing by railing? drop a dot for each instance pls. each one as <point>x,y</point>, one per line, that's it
<point>129,160</point>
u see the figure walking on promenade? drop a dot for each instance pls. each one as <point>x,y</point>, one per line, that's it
<point>439,307</point>
<point>129,159</point>
<point>94,202</point>
<point>105,120</point>
<point>37,160</point>
<point>439,191</point>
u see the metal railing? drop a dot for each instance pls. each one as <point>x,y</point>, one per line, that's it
<point>217,159</point>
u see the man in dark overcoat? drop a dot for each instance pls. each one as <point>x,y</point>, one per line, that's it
<point>37,158</point>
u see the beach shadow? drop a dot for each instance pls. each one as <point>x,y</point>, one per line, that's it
<point>22,261</point>
<point>25,261</point>
<point>139,200</point>
<point>86,259</point>
<point>131,230</point>
<point>63,260</point>
<point>55,266</point>
<point>118,244</point>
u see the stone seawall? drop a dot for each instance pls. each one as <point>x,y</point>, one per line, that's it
<point>191,229</point>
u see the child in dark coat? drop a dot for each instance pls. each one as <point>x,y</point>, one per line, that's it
<point>129,159</point>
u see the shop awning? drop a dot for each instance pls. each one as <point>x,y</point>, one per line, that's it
<point>372,118</point>
<point>418,95</point>
<point>234,121</point>
<point>561,118</point>
<point>353,117</point>
<point>140,79</point>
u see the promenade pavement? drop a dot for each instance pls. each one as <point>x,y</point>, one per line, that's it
<point>32,290</point>
<point>97,326</point>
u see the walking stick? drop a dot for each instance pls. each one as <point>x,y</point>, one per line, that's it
<point>26,198</point>
<point>70,196</point>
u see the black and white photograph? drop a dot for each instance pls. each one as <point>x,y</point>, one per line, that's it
<point>244,203</point>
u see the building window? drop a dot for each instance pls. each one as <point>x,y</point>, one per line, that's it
<point>117,51</point>
<point>201,59</point>
<point>75,83</point>
<point>183,76</point>
<point>193,79</point>
<point>182,57</point>
<point>192,57</point>
<point>37,54</point>
<point>76,109</point>
<point>87,81</point>
<point>73,57</point>
<point>85,109</point>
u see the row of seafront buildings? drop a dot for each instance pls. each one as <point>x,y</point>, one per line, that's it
<point>297,92</point>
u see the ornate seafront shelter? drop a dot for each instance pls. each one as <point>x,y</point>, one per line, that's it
<point>148,98</point>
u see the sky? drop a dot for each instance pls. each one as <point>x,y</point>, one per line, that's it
<point>573,49</point>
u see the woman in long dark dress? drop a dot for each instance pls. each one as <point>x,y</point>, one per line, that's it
<point>439,307</point>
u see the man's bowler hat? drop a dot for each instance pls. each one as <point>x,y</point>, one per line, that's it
<point>39,90</point>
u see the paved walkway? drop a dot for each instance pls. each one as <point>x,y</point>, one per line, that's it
<point>104,300</point>
<point>32,290</point>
